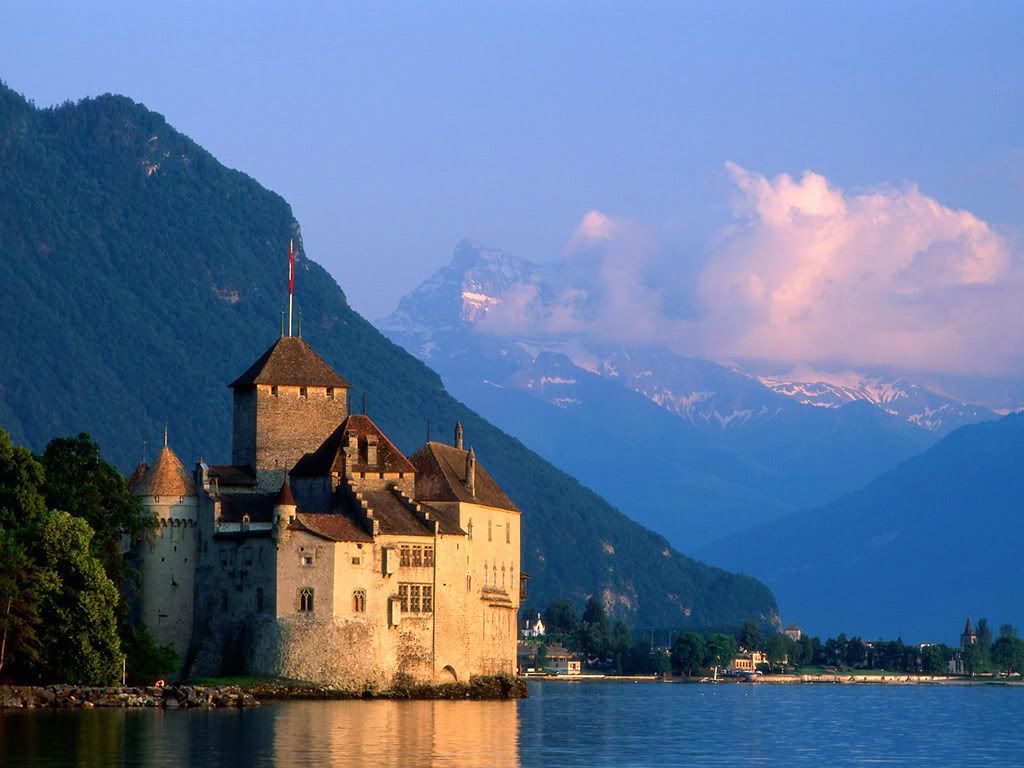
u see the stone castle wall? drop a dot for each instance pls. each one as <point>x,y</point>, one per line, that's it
<point>272,431</point>
<point>167,560</point>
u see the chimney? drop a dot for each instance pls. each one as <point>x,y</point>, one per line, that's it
<point>351,451</point>
<point>458,435</point>
<point>471,473</point>
<point>371,451</point>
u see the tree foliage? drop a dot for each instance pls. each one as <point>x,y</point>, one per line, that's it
<point>58,617</point>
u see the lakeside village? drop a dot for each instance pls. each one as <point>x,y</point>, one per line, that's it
<point>323,554</point>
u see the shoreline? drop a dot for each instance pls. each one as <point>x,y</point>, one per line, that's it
<point>815,679</point>
<point>250,694</point>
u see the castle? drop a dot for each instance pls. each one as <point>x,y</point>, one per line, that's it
<point>322,552</point>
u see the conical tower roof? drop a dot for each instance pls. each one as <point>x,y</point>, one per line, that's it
<point>166,477</point>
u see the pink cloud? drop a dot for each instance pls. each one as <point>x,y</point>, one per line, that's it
<point>892,277</point>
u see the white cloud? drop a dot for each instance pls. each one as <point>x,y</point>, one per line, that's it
<point>889,277</point>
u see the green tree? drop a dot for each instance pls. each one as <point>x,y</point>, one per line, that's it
<point>79,481</point>
<point>560,618</point>
<point>146,661</point>
<point>540,657</point>
<point>80,644</point>
<point>21,585</point>
<point>1008,651</point>
<point>593,635</point>
<point>935,658</point>
<point>778,648</point>
<point>688,653</point>
<point>751,637</point>
<point>721,650</point>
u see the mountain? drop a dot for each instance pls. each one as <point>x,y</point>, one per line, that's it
<point>895,394</point>
<point>141,276</point>
<point>911,553</point>
<point>731,448</point>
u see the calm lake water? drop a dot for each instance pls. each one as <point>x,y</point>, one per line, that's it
<point>561,724</point>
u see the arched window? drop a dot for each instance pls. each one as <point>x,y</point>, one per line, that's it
<point>359,601</point>
<point>259,599</point>
<point>306,600</point>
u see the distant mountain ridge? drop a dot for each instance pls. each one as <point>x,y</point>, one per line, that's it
<point>744,447</point>
<point>909,554</point>
<point>141,276</point>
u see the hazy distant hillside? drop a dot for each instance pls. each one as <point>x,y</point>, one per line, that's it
<point>912,553</point>
<point>691,448</point>
<point>141,276</point>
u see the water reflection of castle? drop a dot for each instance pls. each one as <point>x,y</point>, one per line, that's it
<point>406,733</point>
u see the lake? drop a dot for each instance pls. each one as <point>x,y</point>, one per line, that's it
<point>561,724</point>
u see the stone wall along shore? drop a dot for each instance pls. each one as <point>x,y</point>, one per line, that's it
<point>169,697</point>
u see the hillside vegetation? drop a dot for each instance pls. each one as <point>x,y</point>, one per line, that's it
<point>141,276</point>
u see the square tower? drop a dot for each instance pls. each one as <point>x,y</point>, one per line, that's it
<point>285,405</point>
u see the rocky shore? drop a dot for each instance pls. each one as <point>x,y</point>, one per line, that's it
<point>169,697</point>
<point>494,687</point>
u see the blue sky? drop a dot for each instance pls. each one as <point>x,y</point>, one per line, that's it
<point>397,129</point>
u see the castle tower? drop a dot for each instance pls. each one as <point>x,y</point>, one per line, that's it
<point>285,405</point>
<point>167,555</point>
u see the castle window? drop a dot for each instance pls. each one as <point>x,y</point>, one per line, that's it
<point>469,582</point>
<point>508,533</point>
<point>428,599</point>
<point>428,557</point>
<point>489,531</point>
<point>306,600</point>
<point>156,499</point>
<point>356,561</point>
<point>330,393</point>
<point>404,559</point>
<point>303,392</point>
<point>403,597</point>
<point>273,390</point>
<point>307,560</point>
<point>469,528</point>
<point>259,599</point>
<point>181,499</point>
<point>414,598</point>
<point>417,557</point>
<point>359,601</point>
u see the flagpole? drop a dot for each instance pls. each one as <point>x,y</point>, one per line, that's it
<point>291,282</point>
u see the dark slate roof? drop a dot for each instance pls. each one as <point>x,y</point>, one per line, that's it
<point>232,475</point>
<point>329,457</point>
<point>394,516</point>
<point>290,361</point>
<point>448,520</point>
<point>167,477</point>
<point>441,476</point>
<point>330,526</point>
<point>258,506</point>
